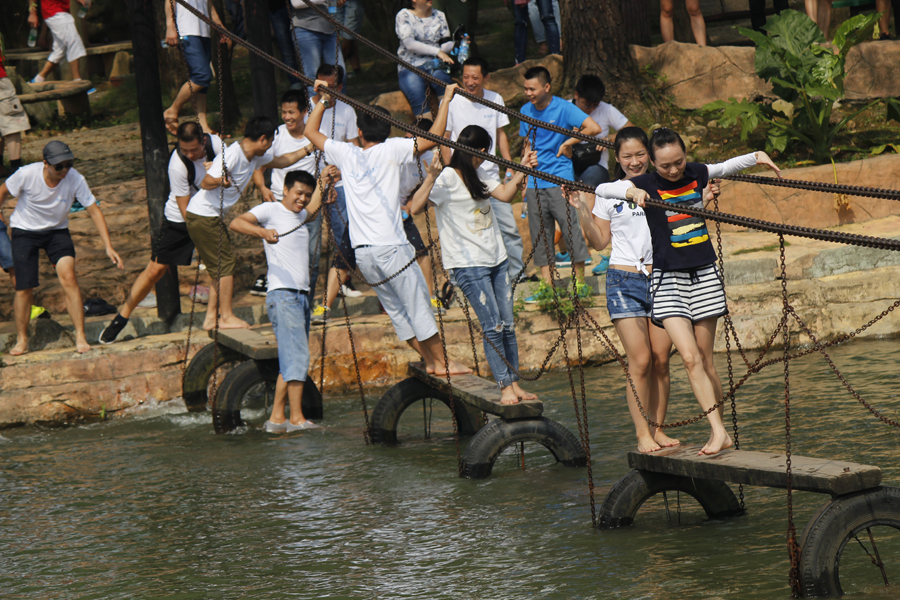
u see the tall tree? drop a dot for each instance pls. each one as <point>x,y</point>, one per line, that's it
<point>595,42</point>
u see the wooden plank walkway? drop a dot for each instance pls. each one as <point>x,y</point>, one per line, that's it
<point>480,393</point>
<point>765,469</point>
<point>257,343</point>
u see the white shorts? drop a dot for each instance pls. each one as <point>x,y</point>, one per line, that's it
<point>66,41</point>
<point>695,295</point>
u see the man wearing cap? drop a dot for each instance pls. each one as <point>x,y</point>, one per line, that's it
<point>40,220</point>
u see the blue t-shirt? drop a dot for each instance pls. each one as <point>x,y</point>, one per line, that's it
<point>563,114</point>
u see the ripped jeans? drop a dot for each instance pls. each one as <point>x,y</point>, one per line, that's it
<point>489,291</point>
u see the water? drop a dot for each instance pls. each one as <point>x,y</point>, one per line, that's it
<point>158,506</point>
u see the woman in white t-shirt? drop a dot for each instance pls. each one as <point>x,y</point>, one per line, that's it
<point>473,251</point>
<point>628,288</point>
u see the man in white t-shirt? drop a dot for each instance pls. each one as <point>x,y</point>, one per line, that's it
<point>219,192</point>
<point>197,50</point>
<point>282,226</point>
<point>173,246</point>
<point>371,176</point>
<point>464,112</point>
<point>46,192</point>
<point>589,92</point>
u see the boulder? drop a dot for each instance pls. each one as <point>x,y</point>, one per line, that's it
<point>868,68</point>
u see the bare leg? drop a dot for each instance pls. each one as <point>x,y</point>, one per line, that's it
<point>142,286</point>
<point>884,7</point>
<point>13,145</point>
<point>660,345</point>
<point>76,71</point>
<point>45,71</point>
<point>698,25</point>
<point>636,340</point>
<point>171,113</point>
<point>65,271</point>
<point>522,394</point>
<point>200,100</point>
<point>281,393</point>
<point>811,6</point>
<point>335,277</point>
<point>705,332</point>
<point>579,271</point>
<point>295,398</point>
<point>223,302</point>
<point>425,265</point>
<point>22,305</point>
<point>823,16</point>
<point>667,20</point>
<point>682,333</point>
<point>432,352</point>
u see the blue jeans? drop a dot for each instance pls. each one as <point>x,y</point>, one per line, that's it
<point>414,87</point>
<point>509,231</point>
<point>6,256</point>
<point>593,176</point>
<point>551,29</point>
<point>534,17</point>
<point>489,291</point>
<point>289,313</point>
<point>281,27</point>
<point>315,250</point>
<point>317,48</point>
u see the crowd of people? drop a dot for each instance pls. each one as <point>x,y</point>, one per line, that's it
<point>663,287</point>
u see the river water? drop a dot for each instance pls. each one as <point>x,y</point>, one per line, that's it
<point>156,505</point>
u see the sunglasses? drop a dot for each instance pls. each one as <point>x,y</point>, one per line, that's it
<point>65,165</point>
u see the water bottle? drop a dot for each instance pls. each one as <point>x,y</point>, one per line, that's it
<point>32,37</point>
<point>332,7</point>
<point>436,63</point>
<point>463,49</point>
<point>524,209</point>
<point>84,9</point>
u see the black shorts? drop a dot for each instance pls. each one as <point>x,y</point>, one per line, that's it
<point>414,238</point>
<point>174,245</point>
<point>26,247</point>
<point>345,256</point>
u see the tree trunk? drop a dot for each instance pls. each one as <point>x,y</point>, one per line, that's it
<point>230,111</point>
<point>595,43</point>
<point>172,71</point>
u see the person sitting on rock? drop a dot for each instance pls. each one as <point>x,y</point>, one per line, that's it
<point>66,41</point>
<point>282,226</point>
<point>219,192</point>
<point>372,185</point>
<point>173,247</point>
<point>40,221</point>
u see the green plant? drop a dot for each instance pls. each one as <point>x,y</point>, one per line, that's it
<point>807,75</point>
<point>559,300</point>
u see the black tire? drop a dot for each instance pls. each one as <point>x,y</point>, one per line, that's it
<point>200,370</point>
<point>493,438</point>
<point>630,493</point>
<point>828,532</point>
<point>387,412</point>
<point>235,386</point>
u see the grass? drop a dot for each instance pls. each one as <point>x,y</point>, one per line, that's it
<point>768,248</point>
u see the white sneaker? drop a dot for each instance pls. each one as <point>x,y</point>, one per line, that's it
<point>148,302</point>
<point>347,292</point>
<point>304,425</point>
<point>271,427</point>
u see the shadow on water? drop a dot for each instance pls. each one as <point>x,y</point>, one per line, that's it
<point>158,506</point>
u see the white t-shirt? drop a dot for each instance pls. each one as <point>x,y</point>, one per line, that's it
<point>40,206</point>
<point>240,170</point>
<point>373,188</point>
<point>288,259</point>
<point>409,175</point>
<point>178,182</point>
<point>631,241</point>
<point>464,112</point>
<point>187,23</point>
<point>345,127</point>
<point>469,233</point>
<point>607,117</point>
<point>285,143</point>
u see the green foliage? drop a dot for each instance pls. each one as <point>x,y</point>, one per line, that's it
<point>559,301</point>
<point>808,78</point>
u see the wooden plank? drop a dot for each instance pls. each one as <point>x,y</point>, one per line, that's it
<point>480,393</point>
<point>258,344</point>
<point>765,469</point>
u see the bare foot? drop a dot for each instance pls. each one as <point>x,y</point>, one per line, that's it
<point>716,443</point>
<point>508,396</point>
<point>233,322</point>
<point>171,119</point>
<point>20,348</point>
<point>664,440</point>
<point>647,444</point>
<point>209,323</point>
<point>455,369</point>
<point>82,346</point>
<point>522,394</point>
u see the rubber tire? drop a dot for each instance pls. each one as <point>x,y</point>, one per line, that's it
<point>235,385</point>
<point>199,371</point>
<point>630,493</point>
<point>827,533</point>
<point>387,412</point>
<point>493,438</point>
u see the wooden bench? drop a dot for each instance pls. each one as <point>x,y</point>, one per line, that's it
<point>256,344</point>
<point>71,97</point>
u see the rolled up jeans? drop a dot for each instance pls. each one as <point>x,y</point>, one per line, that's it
<point>415,88</point>
<point>489,291</point>
<point>315,49</point>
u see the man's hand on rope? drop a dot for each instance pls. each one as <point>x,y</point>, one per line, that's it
<point>270,235</point>
<point>320,87</point>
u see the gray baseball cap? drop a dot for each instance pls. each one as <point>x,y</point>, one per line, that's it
<point>56,152</point>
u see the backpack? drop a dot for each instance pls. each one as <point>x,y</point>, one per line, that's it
<point>189,164</point>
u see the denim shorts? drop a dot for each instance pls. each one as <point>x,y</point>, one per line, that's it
<point>197,53</point>
<point>289,313</point>
<point>627,294</point>
<point>6,255</point>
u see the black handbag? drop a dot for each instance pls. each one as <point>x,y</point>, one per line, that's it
<point>584,156</point>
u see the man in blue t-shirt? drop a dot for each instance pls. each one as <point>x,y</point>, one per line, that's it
<point>554,157</point>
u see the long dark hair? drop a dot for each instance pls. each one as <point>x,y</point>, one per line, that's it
<point>626,135</point>
<point>476,137</point>
<point>663,137</point>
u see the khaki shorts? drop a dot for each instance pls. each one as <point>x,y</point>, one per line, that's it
<point>206,232</point>
<point>12,116</point>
